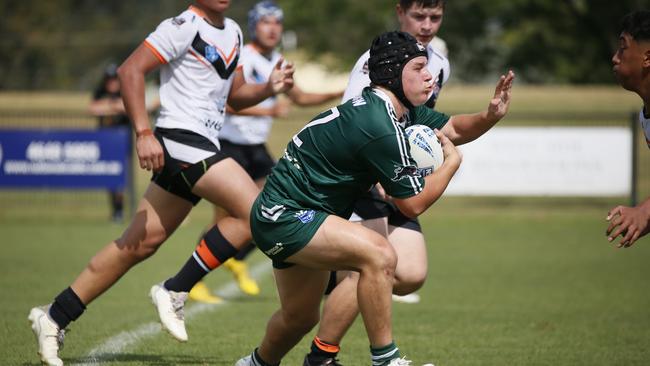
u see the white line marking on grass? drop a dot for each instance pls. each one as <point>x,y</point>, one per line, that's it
<point>117,343</point>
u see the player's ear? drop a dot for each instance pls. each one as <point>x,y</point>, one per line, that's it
<point>399,10</point>
<point>646,58</point>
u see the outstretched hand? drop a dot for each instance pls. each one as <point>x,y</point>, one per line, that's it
<point>500,102</point>
<point>630,223</point>
<point>281,78</point>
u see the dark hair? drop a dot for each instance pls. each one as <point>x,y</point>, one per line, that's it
<point>637,25</point>
<point>405,4</point>
<point>110,72</point>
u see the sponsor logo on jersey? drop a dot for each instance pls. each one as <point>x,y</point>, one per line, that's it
<point>211,53</point>
<point>291,159</point>
<point>305,216</point>
<point>277,248</point>
<point>405,172</point>
<point>178,21</point>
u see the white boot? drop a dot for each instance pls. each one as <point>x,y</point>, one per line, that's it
<point>48,335</point>
<point>170,306</point>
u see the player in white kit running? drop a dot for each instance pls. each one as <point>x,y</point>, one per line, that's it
<point>197,52</point>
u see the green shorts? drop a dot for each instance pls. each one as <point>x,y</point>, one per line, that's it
<point>280,231</point>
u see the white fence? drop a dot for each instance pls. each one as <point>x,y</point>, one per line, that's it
<point>547,161</point>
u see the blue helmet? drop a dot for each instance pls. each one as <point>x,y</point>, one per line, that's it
<point>260,10</point>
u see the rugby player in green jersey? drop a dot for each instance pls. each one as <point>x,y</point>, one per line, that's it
<point>300,218</point>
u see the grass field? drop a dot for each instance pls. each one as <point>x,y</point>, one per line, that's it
<point>512,281</point>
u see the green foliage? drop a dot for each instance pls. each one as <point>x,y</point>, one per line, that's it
<point>64,44</point>
<point>546,41</point>
<point>342,27</point>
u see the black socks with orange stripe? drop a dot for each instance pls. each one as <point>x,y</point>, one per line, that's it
<point>321,350</point>
<point>210,253</point>
<point>67,307</point>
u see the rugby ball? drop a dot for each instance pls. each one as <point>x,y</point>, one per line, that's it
<point>425,147</point>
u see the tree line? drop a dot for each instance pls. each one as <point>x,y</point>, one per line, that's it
<point>65,44</point>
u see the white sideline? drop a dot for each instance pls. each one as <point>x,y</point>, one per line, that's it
<point>117,343</point>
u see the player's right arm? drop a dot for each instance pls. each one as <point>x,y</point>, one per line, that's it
<point>131,74</point>
<point>170,40</point>
<point>435,183</point>
<point>395,169</point>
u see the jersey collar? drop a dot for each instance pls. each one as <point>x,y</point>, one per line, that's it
<point>389,103</point>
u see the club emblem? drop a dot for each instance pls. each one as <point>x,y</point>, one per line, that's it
<point>211,53</point>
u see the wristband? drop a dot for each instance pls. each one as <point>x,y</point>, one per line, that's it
<point>145,132</point>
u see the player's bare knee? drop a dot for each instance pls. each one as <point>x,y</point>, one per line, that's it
<point>382,259</point>
<point>140,247</point>
<point>407,286</point>
<point>410,280</point>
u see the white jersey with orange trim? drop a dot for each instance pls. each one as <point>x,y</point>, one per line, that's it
<point>252,130</point>
<point>438,66</point>
<point>644,119</point>
<point>199,61</point>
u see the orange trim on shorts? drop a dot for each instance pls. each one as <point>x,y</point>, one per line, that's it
<point>155,52</point>
<point>324,346</point>
<point>206,255</point>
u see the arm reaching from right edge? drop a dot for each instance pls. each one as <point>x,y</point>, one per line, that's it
<point>436,182</point>
<point>630,223</point>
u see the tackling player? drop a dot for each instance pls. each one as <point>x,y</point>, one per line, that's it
<point>300,219</point>
<point>198,54</point>
<point>632,69</point>
<point>422,19</point>
<point>301,215</point>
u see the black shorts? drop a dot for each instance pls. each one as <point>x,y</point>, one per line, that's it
<point>255,159</point>
<point>179,176</point>
<point>372,206</point>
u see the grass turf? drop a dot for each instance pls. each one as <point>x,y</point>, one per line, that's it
<point>517,284</point>
<point>512,281</point>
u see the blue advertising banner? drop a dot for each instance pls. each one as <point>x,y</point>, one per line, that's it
<point>64,158</point>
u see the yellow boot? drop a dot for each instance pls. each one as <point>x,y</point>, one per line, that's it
<point>240,270</point>
<point>201,293</point>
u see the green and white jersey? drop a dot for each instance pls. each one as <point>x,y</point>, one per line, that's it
<point>342,152</point>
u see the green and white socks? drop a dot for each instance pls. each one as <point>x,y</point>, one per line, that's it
<point>383,355</point>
